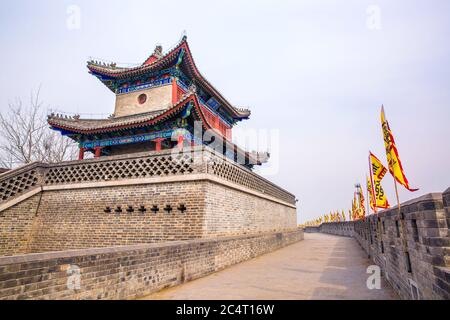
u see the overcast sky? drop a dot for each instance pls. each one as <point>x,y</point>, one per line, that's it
<point>317,71</point>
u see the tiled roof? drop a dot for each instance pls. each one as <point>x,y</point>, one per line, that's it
<point>93,126</point>
<point>87,126</point>
<point>112,71</point>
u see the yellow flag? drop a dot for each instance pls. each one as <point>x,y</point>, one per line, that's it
<point>393,159</point>
<point>377,172</point>
<point>362,207</point>
<point>354,207</point>
<point>370,193</point>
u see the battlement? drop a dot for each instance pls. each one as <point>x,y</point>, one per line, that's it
<point>421,269</point>
<point>137,198</point>
<point>167,163</point>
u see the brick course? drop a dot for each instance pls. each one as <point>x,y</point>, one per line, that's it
<point>97,202</point>
<point>75,218</point>
<point>130,271</point>
<point>16,226</point>
<point>428,245</point>
<point>97,215</point>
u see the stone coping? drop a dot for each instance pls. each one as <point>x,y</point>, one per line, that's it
<point>203,150</point>
<point>429,197</point>
<point>35,257</point>
<point>142,181</point>
<point>14,172</point>
<point>433,196</point>
<point>166,152</point>
<point>407,207</point>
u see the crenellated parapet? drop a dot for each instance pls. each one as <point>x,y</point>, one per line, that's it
<point>422,269</point>
<point>137,198</point>
<point>132,167</point>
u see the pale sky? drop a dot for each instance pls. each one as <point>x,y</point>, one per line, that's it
<point>314,70</point>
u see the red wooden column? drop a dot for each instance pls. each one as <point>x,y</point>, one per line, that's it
<point>98,152</point>
<point>180,142</point>
<point>229,134</point>
<point>216,122</point>
<point>81,154</point>
<point>158,144</point>
<point>174,90</point>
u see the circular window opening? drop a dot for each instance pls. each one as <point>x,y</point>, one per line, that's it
<point>142,98</point>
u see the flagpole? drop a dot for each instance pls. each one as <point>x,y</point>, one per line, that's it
<point>389,144</point>
<point>374,209</point>
<point>403,223</point>
<point>369,247</point>
<point>396,194</point>
<point>370,231</point>
<point>374,200</point>
<point>367,195</point>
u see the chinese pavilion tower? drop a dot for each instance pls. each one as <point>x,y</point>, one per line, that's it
<point>161,99</point>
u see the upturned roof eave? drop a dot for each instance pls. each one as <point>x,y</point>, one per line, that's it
<point>53,122</point>
<point>75,126</point>
<point>167,59</point>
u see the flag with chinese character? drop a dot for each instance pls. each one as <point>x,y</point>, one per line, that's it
<point>393,159</point>
<point>377,172</point>
<point>370,192</point>
<point>354,207</point>
<point>362,207</point>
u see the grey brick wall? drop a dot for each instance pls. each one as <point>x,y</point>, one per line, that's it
<point>97,202</point>
<point>422,269</point>
<point>130,271</point>
<point>76,218</point>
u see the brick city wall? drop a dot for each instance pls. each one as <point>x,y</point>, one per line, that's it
<point>232,212</point>
<point>131,271</point>
<point>16,226</point>
<point>135,199</point>
<point>338,228</point>
<point>422,271</point>
<point>76,218</point>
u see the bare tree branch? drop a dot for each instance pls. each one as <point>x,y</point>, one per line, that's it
<point>25,136</point>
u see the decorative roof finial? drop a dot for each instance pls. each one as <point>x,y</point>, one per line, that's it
<point>183,35</point>
<point>158,51</point>
<point>192,88</point>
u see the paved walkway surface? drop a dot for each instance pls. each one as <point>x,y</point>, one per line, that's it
<point>319,267</point>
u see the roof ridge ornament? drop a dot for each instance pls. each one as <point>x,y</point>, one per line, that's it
<point>192,88</point>
<point>260,156</point>
<point>155,56</point>
<point>180,58</point>
<point>158,51</point>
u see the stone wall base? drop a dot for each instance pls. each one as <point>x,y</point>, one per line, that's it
<point>129,272</point>
<point>411,247</point>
